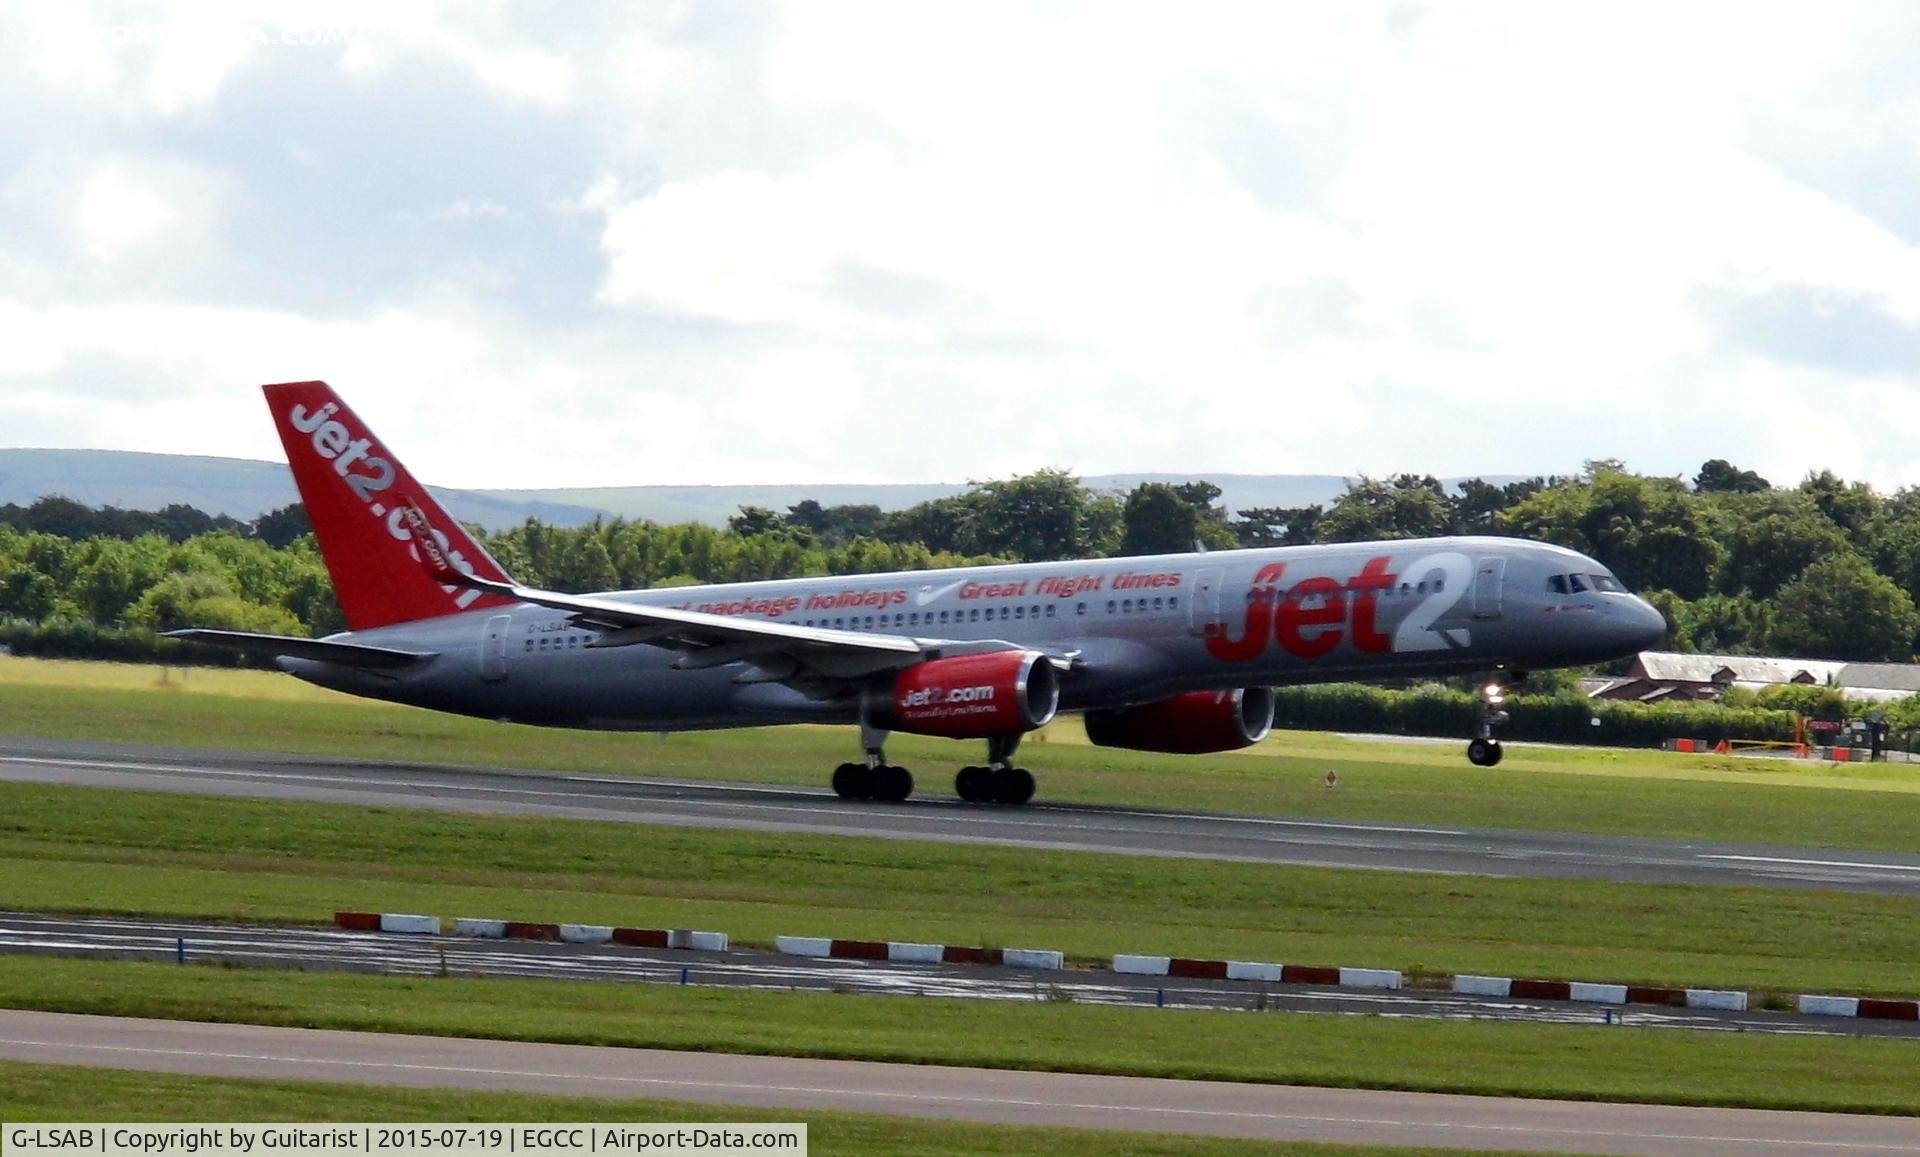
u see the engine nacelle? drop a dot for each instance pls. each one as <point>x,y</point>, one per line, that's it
<point>1196,723</point>
<point>969,696</point>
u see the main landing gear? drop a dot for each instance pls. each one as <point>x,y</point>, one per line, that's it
<point>1483,750</point>
<point>999,781</point>
<point>876,779</point>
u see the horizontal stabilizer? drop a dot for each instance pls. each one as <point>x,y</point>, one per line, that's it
<point>343,654</point>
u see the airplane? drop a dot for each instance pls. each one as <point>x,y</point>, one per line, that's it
<point>1173,653</point>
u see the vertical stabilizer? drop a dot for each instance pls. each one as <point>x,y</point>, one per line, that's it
<point>359,497</point>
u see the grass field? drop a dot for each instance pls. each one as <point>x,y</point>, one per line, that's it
<point>1551,1061</point>
<point>1600,791</point>
<point>80,849</point>
<point>54,1093</point>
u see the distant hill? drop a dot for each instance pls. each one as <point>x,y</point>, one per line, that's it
<point>237,487</point>
<point>245,489</point>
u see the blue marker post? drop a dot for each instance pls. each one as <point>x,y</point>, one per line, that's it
<point>180,950</point>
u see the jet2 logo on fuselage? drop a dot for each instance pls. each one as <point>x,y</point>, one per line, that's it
<point>1309,619</point>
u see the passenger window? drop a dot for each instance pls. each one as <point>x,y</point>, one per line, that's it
<point>1110,606</point>
<point>1019,612</point>
<point>1173,602</point>
<point>1003,614</point>
<point>1126,606</point>
<point>975,615</point>
<point>1576,584</point>
<point>1049,610</point>
<point>1159,604</point>
<point>943,616</point>
<point>529,644</point>
<point>1079,608</point>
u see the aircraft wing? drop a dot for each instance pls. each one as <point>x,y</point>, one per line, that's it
<point>814,659</point>
<point>343,654</point>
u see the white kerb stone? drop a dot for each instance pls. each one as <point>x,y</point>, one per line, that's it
<point>1369,978</point>
<point>1715,998</point>
<point>1143,965</point>
<point>903,953</point>
<point>1041,958</point>
<point>1254,970</point>
<point>586,933</point>
<point>804,945</point>
<point>1483,985</point>
<point>417,925</point>
<point>1830,1005</point>
<point>490,929</point>
<point>1597,993</point>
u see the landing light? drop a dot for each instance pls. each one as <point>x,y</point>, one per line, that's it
<point>1495,694</point>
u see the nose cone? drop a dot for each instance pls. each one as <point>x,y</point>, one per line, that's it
<point>1642,626</point>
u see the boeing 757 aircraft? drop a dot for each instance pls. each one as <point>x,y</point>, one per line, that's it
<point>1171,653</point>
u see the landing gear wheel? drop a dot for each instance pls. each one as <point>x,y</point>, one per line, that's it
<point>973,784</point>
<point>1013,785</point>
<point>1484,752</point>
<point>852,781</point>
<point>892,784</point>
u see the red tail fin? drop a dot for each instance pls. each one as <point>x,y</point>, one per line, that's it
<point>357,496</point>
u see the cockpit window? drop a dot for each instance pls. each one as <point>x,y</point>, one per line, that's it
<point>1606,582</point>
<point>1576,584</point>
<point>1557,583</point>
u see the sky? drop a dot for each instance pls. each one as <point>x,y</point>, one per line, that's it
<point>687,243</point>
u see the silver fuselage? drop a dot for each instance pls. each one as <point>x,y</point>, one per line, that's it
<point>1141,629</point>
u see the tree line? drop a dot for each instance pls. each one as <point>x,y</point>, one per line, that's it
<point>1821,569</point>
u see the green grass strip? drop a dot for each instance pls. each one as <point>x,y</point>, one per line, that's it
<point>88,850</point>
<point>1488,1058</point>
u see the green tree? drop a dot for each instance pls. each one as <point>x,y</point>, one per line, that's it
<point>1649,530</point>
<point>1404,506</point>
<point>1718,475</point>
<point>1841,608</point>
<point>1158,520</point>
<point>1279,525</point>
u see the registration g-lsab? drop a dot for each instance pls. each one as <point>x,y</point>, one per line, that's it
<point>1172,653</point>
<point>80,1138</point>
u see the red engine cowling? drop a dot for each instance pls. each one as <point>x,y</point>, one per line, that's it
<point>970,696</point>
<point>1192,724</point>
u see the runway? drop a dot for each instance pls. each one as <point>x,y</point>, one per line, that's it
<point>333,950</point>
<point>1251,839</point>
<point>1209,1108</point>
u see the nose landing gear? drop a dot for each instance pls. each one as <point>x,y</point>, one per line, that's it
<point>1483,750</point>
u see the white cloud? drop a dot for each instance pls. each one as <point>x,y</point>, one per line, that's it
<point>882,241</point>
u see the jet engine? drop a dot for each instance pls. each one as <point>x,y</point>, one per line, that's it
<point>969,696</point>
<point>1192,724</point>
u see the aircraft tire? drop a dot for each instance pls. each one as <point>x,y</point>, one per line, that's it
<point>892,784</point>
<point>1013,786</point>
<point>1484,752</point>
<point>851,781</point>
<point>972,784</point>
